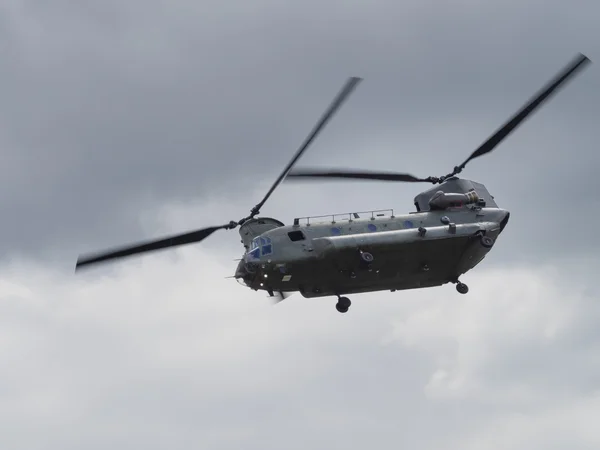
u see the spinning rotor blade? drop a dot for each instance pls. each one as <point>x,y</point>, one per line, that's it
<point>333,108</point>
<point>544,94</point>
<point>199,235</point>
<point>333,173</point>
<point>150,246</point>
<point>551,88</point>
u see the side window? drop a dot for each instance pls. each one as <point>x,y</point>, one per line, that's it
<point>296,236</point>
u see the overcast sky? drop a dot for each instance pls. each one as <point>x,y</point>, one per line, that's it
<point>121,121</point>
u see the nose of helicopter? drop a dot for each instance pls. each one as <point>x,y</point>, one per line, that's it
<point>504,220</point>
<point>246,271</point>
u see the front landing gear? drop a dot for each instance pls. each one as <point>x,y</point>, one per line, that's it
<point>343,304</point>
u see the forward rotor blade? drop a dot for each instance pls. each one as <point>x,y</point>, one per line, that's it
<point>333,108</point>
<point>173,241</point>
<point>544,94</point>
<point>351,174</point>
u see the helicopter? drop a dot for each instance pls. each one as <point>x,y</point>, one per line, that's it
<point>456,224</point>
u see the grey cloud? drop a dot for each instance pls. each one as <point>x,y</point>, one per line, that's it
<point>123,120</point>
<point>111,109</point>
<point>153,355</point>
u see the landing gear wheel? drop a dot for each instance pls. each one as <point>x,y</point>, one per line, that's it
<point>462,288</point>
<point>366,257</point>
<point>343,304</point>
<point>486,241</point>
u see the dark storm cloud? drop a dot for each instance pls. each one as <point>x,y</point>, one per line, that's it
<point>109,108</point>
<point>123,119</point>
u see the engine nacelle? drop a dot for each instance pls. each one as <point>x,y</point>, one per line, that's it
<point>451,187</point>
<point>444,200</point>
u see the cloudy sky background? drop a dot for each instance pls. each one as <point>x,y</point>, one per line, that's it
<point>121,121</point>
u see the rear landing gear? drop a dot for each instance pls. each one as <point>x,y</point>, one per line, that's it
<point>343,304</point>
<point>462,288</point>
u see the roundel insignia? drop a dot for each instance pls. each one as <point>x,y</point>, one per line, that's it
<point>408,224</point>
<point>335,231</point>
<point>372,227</point>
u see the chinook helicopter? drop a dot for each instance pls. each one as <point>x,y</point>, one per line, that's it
<point>455,225</point>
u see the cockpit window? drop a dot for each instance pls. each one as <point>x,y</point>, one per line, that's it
<point>266,246</point>
<point>260,245</point>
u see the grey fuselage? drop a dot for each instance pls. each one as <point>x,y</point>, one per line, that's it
<point>323,256</point>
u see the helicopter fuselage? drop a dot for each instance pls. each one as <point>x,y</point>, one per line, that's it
<point>378,252</point>
<point>455,225</point>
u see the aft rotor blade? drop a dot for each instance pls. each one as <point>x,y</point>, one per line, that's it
<point>144,247</point>
<point>357,175</point>
<point>544,94</point>
<point>333,108</point>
